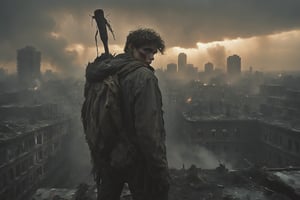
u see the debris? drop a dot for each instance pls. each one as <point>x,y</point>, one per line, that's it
<point>195,183</point>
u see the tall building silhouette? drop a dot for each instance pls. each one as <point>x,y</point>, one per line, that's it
<point>182,59</point>
<point>234,65</point>
<point>28,65</point>
<point>208,67</point>
<point>172,68</point>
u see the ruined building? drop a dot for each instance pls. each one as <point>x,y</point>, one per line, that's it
<point>244,142</point>
<point>208,67</point>
<point>234,65</point>
<point>280,102</point>
<point>182,61</point>
<point>171,68</point>
<point>28,66</point>
<point>33,143</point>
<point>29,154</point>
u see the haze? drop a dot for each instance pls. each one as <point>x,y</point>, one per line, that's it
<point>265,34</point>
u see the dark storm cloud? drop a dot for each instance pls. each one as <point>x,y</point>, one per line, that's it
<point>181,23</point>
<point>184,23</point>
<point>30,23</point>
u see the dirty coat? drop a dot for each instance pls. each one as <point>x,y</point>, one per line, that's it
<point>142,115</point>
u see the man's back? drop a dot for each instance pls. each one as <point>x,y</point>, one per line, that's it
<point>143,120</point>
<point>143,115</point>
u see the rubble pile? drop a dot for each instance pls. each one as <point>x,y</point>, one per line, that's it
<point>221,183</point>
<point>207,184</point>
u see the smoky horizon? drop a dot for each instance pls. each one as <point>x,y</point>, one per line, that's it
<point>226,89</point>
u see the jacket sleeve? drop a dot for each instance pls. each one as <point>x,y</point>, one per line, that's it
<point>149,124</point>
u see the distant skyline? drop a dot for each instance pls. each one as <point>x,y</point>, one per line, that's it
<point>265,34</point>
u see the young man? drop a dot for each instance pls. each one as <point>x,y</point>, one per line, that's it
<point>141,105</point>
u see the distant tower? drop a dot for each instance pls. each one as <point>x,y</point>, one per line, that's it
<point>172,68</point>
<point>208,67</point>
<point>250,69</point>
<point>234,65</point>
<point>181,62</point>
<point>28,65</point>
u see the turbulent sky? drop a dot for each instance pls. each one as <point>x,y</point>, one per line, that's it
<point>265,33</point>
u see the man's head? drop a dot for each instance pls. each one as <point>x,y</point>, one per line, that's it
<point>143,44</point>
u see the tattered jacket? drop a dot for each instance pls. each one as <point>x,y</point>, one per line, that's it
<point>141,106</point>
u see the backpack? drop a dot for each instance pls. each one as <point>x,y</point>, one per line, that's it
<point>102,120</point>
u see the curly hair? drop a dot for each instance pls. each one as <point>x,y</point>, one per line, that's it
<point>144,36</point>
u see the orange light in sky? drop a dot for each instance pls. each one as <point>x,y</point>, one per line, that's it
<point>226,43</point>
<point>79,48</point>
<point>55,35</point>
<point>248,48</point>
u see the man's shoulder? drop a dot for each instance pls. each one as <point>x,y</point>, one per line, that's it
<point>144,72</point>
